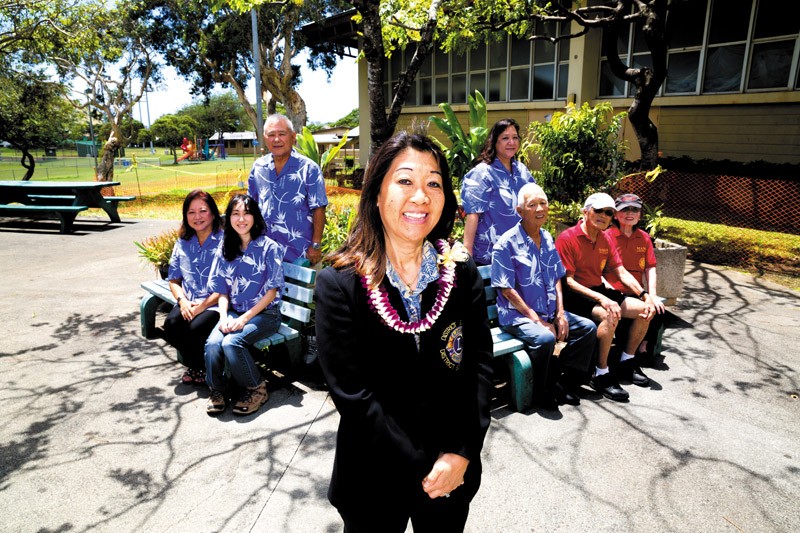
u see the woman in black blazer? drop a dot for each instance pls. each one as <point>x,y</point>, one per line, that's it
<point>404,344</point>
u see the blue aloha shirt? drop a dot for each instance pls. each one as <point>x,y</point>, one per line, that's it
<point>191,263</point>
<point>490,190</point>
<point>286,201</point>
<point>429,272</point>
<point>250,276</point>
<point>517,263</point>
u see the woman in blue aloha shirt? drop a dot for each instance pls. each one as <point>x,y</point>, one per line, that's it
<point>195,313</point>
<point>248,277</point>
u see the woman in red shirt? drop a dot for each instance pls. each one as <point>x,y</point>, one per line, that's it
<point>635,248</point>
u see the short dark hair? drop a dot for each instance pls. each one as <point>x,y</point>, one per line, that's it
<point>365,249</point>
<point>232,242</point>
<point>489,152</point>
<point>187,232</point>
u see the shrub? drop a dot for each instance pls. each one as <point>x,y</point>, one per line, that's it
<point>579,150</point>
<point>157,250</point>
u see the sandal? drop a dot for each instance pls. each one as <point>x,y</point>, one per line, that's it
<point>198,377</point>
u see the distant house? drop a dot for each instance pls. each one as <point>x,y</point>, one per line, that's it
<point>235,142</point>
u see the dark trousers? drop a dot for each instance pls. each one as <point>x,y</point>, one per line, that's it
<point>189,338</point>
<point>441,515</point>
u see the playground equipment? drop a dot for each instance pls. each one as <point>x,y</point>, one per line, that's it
<point>188,150</point>
<point>206,154</point>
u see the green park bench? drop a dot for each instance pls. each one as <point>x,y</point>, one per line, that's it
<point>297,311</point>
<point>510,349</point>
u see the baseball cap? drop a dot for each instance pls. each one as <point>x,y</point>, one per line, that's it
<point>599,200</point>
<point>628,200</point>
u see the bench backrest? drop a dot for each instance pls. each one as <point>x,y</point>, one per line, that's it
<point>491,293</point>
<point>297,297</point>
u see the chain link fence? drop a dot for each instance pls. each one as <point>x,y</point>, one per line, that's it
<point>698,210</point>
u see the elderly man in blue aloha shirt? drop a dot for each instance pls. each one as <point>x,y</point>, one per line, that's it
<point>527,271</point>
<point>290,192</point>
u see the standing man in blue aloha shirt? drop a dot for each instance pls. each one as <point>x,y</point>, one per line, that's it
<point>290,192</point>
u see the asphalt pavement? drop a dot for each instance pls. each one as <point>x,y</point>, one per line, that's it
<point>98,435</point>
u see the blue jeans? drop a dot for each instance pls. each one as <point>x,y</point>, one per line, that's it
<point>232,348</point>
<point>577,354</point>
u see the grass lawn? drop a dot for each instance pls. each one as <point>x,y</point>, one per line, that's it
<point>160,187</point>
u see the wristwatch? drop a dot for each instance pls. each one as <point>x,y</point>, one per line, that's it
<point>316,245</point>
<point>642,295</point>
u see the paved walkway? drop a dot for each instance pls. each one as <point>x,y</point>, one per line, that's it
<point>98,436</point>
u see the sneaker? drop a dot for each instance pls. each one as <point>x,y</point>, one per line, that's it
<point>608,387</point>
<point>216,403</point>
<point>252,399</point>
<point>629,370</point>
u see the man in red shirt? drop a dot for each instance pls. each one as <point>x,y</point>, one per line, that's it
<point>587,255</point>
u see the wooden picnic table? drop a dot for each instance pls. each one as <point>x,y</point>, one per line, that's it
<point>62,193</point>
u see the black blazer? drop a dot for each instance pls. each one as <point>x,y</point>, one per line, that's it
<point>400,407</point>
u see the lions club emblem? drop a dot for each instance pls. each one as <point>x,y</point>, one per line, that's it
<point>453,350</point>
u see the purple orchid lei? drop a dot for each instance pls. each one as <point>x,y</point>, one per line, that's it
<point>379,299</point>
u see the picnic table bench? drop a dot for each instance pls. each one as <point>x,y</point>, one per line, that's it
<point>297,310</point>
<point>64,199</point>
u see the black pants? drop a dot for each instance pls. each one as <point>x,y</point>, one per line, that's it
<point>189,338</point>
<point>441,515</point>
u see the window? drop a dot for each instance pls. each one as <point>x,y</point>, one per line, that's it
<point>717,46</point>
<point>498,70</point>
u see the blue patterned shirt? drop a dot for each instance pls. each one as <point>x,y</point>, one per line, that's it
<point>250,276</point>
<point>287,200</point>
<point>191,263</point>
<point>518,264</point>
<point>490,190</point>
<point>428,273</point>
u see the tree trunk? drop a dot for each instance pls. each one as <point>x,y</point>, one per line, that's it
<point>105,168</point>
<point>647,80</point>
<point>382,126</point>
<point>27,161</point>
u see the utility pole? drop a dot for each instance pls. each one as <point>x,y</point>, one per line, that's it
<point>147,102</point>
<point>257,75</point>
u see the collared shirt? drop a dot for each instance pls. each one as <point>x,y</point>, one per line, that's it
<point>428,273</point>
<point>585,260</point>
<point>287,200</point>
<point>490,190</point>
<point>517,263</point>
<point>191,263</point>
<point>636,253</point>
<point>250,276</point>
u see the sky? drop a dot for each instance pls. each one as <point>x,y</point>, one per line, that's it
<point>325,101</point>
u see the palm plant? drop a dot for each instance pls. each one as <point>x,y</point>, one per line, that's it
<point>464,147</point>
<point>307,146</point>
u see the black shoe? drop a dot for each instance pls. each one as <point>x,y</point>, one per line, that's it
<point>566,396</point>
<point>546,402</point>
<point>608,387</point>
<point>629,370</point>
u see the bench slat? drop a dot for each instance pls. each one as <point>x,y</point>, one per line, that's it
<point>296,312</point>
<point>302,294</point>
<point>299,273</point>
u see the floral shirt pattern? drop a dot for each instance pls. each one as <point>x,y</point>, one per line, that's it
<point>287,200</point>
<point>490,190</point>
<point>429,272</point>
<point>191,263</point>
<point>250,276</point>
<point>517,263</point>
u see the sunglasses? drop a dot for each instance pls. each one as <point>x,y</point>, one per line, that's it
<point>631,209</point>
<point>606,212</point>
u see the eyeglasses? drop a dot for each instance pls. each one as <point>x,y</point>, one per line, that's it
<point>606,212</point>
<point>631,209</point>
